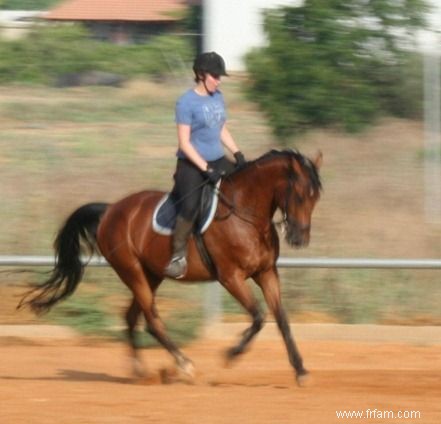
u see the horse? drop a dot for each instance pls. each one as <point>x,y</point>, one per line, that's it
<point>242,242</point>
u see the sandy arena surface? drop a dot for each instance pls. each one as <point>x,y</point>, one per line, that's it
<point>80,381</point>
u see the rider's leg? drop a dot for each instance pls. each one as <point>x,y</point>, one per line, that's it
<point>188,187</point>
<point>177,266</point>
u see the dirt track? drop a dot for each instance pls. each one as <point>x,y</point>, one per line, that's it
<point>82,382</point>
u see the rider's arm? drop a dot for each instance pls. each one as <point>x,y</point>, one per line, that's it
<point>187,148</point>
<point>228,140</point>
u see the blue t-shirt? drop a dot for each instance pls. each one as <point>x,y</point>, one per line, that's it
<point>206,117</point>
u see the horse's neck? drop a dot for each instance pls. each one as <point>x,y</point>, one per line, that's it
<point>258,190</point>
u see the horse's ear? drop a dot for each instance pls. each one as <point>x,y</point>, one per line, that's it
<point>318,160</point>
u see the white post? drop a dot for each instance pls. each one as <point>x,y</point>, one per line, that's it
<point>207,22</point>
<point>431,45</point>
<point>212,303</point>
<point>432,137</point>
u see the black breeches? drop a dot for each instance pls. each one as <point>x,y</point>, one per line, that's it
<point>189,180</point>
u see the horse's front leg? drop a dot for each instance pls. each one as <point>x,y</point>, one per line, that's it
<point>270,284</point>
<point>241,291</point>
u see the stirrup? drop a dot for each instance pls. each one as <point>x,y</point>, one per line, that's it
<point>177,267</point>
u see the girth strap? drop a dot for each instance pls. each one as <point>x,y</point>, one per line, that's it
<point>205,255</point>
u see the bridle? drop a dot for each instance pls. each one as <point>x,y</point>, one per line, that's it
<point>291,181</point>
<point>287,221</point>
<point>247,214</point>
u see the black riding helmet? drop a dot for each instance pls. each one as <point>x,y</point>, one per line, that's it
<point>210,63</point>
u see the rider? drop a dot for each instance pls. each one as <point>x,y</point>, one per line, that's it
<point>202,133</point>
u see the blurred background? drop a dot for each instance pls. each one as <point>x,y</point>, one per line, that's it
<point>87,94</point>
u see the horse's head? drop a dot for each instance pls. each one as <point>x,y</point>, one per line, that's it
<point>301,193</point>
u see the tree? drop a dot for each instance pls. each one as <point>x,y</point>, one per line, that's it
<point>335,62</point>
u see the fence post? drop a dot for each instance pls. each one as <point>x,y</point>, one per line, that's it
<point>212,304</point>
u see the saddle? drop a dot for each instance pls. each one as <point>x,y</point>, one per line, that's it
<point>164,216</point>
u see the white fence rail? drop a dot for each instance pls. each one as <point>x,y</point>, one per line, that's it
<point>283,262</point>
<point>359,263</point>
<point>212,298</point>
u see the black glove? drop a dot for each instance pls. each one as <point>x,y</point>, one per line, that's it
<point>213,175</point>
<point>240,159</point>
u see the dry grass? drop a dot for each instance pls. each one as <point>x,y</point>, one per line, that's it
<point>62,148</point>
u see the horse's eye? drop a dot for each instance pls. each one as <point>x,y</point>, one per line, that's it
<point>299,199</point>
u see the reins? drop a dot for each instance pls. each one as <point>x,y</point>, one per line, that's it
<point>246,214</point>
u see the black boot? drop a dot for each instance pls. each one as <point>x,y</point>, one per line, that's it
<point>177,266</point>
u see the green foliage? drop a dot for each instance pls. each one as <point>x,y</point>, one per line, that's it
<point>49,52</point>
<point>336,62</point>
<point>85,314</point>
<point>362,295</point>
<point>98,309</point>
<point>90,315</point>
<point>27,4</point>
<point>182,327</point>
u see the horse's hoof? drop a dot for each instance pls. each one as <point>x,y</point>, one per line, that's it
<point>231,355</point>
<point>303,378</point>
<point>186,372</point>
<point>138,368</point>
<point>229,358</point>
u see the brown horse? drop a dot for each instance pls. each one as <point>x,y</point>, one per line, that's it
<point>242,243</point>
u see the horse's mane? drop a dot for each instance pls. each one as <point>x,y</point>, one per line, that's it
<point>305,162</point>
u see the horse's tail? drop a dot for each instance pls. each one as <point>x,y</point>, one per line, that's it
<point>77,235</point>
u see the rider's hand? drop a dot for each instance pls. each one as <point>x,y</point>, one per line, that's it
<point>240,159</point>
<point>213,175</point>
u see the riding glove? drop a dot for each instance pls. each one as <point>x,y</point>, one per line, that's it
<point>213,175</point>
<point>240,159</point>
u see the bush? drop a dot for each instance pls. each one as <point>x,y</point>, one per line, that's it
<point>27,4</point>
<point>327,64</point>
<point>50,52</point>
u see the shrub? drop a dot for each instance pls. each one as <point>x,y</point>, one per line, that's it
<point>50,52</point>
<point>337,63</point>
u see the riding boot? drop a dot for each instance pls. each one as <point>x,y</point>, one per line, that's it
<point>177,266</point>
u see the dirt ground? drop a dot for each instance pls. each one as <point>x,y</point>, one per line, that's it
<point>80,381</point>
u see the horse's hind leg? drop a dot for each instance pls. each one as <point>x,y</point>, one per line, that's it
<point>240,290</point>
<point>132,316</point>
<point>143,288</point>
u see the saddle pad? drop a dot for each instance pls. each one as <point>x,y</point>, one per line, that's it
<point>164,216</point>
